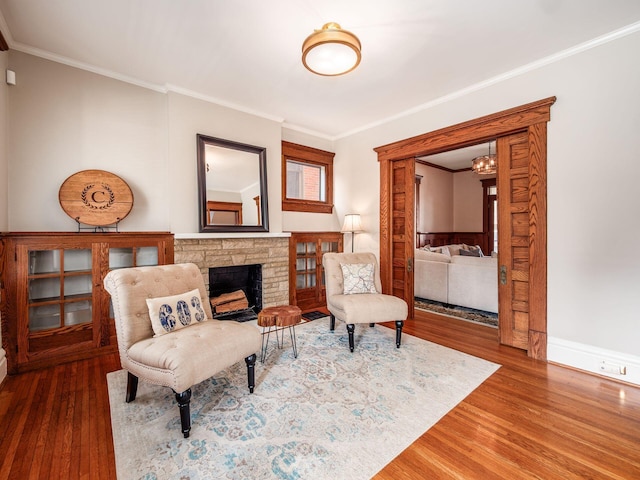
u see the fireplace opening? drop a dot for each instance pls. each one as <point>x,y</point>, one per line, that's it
<point>248,278</point>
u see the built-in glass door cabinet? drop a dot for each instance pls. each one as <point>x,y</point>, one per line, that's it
<point>54,306</point>
<point>306,275</point>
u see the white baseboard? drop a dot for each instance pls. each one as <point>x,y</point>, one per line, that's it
<point>590,359</point>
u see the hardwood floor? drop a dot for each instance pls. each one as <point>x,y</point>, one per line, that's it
<point>528,420</point>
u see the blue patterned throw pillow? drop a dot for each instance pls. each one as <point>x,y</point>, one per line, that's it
<point>358,278</point>
<point>172,313</point>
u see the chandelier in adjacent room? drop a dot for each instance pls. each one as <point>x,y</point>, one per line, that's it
<point>485,164</point>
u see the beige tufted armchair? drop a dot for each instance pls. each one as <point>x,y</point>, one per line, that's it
<point>368,308</point>
<point>178,359</point>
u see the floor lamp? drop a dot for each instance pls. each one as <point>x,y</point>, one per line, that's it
<point>352,224</point>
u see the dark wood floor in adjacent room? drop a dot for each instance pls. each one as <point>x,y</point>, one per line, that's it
<point>528,420</point>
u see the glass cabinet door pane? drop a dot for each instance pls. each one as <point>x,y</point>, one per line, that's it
<point>44,317</point>
<point>300,264</point>
<point>77,285</point>
<point>77,260</point>
<point>120,258</point>
<point>311,247</point>
<point>147,256</point>
<point>44,261</point>
<point>311,263</point>
<point>77,312</point>
<point>312,280</point>
<point>41,289</point>
<point>300,281</point>
<point>329,247</point>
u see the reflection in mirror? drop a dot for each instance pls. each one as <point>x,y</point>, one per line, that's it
<point>232,186</point>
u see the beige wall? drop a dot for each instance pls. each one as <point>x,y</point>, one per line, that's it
<point>436,199</point>
<point>467,202</point>
<point>449,202</point>
<point>64,120</point>
<point>591,308</point>
<point>304,222</point>
<point>4,179</point>
<point>4,166</point>
<point>188,117</point>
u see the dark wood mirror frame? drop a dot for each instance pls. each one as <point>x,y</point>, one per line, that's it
<point>261,158</point>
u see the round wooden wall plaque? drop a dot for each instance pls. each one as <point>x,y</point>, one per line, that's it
<point>95,197</point>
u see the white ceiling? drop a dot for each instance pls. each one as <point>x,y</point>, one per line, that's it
<point>246,53</point>
<point>461,158</point>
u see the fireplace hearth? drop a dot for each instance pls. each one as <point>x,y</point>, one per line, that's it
<point>247,278</point>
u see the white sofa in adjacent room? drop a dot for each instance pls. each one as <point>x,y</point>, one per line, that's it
<point>456,279</point>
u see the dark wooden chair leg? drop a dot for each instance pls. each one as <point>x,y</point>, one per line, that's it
<point>132,387</point>
<point>350,329</point>
<point>251,371</point>
<point>332,323</point>
<point>399,324</point>
<point>183,400</point>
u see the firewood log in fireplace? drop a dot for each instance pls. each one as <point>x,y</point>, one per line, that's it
<point>229,302</point>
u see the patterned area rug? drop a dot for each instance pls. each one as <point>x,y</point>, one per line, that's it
<point>470,314</point>
<point>327,414</point>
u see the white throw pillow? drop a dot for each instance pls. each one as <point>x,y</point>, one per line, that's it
<point>172,313</point>
<point>358,278</point>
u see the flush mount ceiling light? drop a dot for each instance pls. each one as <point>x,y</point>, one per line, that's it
<point>331,51</point>
<point>485,164</point>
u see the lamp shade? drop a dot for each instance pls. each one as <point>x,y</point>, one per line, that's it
<point>331,51</point>
<point>352,223</point>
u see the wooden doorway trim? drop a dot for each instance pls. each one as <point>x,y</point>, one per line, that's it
<point>531,117</point>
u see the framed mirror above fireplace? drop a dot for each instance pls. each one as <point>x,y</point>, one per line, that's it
<point>232,186</point>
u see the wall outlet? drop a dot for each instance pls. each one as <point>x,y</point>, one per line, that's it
<point>612,368</point>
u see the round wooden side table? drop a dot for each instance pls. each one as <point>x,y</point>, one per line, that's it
<point>279,317</point>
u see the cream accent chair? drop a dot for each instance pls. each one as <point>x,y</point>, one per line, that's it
<point>368,308</point>
<point>181,358</point>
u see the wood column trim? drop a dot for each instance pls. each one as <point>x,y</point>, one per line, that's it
<point>530,117</point>
<point>385,227</point>
<point>469,133</point>
<point>538,241</point>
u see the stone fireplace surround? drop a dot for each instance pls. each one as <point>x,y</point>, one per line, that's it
<point>270,250</point>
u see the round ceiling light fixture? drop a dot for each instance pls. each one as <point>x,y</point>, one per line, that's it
<point>331,51</point>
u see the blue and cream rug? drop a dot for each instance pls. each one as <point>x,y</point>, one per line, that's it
<point>328,414</point>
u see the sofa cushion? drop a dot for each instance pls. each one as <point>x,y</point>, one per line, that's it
<point>452,249</point>
<point>188,356</point>
<point>473,282</point>
<point>431,279</point>
<point>174,312</point>
<point>358,278</point>
<point>371,308</point>
<point>429,248</point>
<point>432,256</point>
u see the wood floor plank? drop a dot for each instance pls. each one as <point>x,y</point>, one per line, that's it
<point>529,420</point>
<point>14,451</point>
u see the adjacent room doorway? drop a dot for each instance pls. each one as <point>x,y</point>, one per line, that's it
<point>522,258</point>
